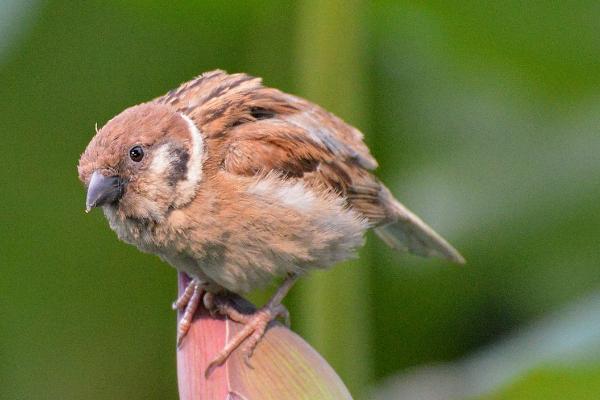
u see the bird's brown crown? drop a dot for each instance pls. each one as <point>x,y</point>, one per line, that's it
<point>148,148</point>
<point>145,125</point>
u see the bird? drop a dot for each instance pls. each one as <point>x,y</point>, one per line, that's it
<point>239,185</point>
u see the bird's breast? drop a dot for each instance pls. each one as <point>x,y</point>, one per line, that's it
<point>272,229</point>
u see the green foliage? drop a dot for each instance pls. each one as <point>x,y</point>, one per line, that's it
<point>553,384</point>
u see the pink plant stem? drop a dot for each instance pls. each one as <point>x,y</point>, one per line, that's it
<point>283,366</point>
<point>206,336</point>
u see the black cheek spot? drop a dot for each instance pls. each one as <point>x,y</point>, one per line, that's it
<point>179,166</point>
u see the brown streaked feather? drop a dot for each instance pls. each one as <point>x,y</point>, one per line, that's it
<point>253,130</point>
<point>262,129</point>
<point>276,145</point>
<point>218,101</point>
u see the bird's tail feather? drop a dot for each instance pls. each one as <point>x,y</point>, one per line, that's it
<point>407,232</point>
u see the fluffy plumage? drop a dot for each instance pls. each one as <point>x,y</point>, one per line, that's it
<point>241,183</point>
<point>235,184</point>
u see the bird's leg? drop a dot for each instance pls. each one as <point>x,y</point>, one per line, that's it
<point>188,303</point>
<point>255,324</point>
<point>184,299</point>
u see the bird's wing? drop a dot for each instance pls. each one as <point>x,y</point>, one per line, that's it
<point>288,150</point>
<point>255,130</point>
<point>252,129</point>
<point>219,102</point>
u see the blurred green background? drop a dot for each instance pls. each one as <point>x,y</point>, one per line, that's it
<point>484,117</point>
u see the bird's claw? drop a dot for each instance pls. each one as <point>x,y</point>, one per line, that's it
<point>187,303</point>
<point>254,328</point>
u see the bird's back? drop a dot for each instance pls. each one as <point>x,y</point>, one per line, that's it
<point>252,130</point>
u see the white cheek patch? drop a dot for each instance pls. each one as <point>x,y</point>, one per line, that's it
<point>161,160</point>
<point>186,188</point>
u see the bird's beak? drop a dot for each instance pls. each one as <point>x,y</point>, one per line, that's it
<point>103,190</point>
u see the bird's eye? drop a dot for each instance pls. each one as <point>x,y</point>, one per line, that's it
<point>136,153</point>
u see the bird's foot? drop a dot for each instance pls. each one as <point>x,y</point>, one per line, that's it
<point>187,303</point>
<point>255,325</point>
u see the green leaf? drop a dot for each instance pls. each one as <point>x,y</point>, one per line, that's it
<point>554,384</point>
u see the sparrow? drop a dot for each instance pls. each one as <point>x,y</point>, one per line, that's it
<point>237,184</point>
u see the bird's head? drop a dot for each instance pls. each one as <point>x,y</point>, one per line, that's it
<point>143,162</point>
